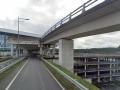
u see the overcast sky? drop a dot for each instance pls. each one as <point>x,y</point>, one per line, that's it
<point>43,14</point>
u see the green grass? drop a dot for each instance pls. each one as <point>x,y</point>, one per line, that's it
<point>64,82</point>
<point>78,78</point>
<point>5,58</point>
<point>8,71</point>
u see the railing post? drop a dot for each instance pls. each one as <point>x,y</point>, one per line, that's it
<point>54,26</point>
<point>69,16</point>
<point>60,22</point>
<point>83,10</point>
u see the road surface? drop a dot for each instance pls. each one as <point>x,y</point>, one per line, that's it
<point>34,76</point>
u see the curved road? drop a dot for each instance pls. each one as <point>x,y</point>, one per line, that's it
<point>34,76</point>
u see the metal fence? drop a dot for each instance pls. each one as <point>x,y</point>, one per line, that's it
<point>86,6</point>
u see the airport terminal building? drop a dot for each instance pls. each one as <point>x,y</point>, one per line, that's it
<point>9,42</point>
<point>5,46</point>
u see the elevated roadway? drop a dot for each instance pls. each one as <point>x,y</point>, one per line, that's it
<point>102,18</point>
<point>88,19</point>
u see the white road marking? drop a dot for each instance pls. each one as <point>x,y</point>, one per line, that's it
<point>9,85</point>
<point>54,78</point>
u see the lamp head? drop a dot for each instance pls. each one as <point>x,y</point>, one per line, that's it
<point>27,19</point>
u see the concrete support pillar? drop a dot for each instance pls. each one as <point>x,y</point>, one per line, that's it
<point>16,54</point>
<point>16,51</point>
<point>66,53</point>
<point>20,52</point>
<point>12,50</point>
<point>41,50</point>
<point>85,66</point>
<point>53,50</point>
<point>98,69</point>
<point>110,70</point>
<point>46,48</point>
<point>25,52</point>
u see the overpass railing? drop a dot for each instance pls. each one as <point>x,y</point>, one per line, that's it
<point>86,6</point>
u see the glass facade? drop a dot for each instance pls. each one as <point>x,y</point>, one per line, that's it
<point>4,44</point>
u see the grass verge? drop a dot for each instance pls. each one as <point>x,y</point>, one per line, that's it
<point>63,81</point>
<point>79,79</point>
<point>8,71</point>
<point>2,59</point>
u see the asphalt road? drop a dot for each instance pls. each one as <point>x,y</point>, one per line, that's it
<point>34,76</point>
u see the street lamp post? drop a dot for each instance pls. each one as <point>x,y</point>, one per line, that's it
<point>18,40</point>
<point>18,37</point>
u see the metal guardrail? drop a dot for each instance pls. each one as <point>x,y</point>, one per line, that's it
<point>72,15</point>
<point>8,65</point>
<point>1,63</point>
<point>76,83</point>
<point>5,63</point>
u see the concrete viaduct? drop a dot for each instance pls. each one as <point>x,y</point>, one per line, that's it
<point>84,21</point>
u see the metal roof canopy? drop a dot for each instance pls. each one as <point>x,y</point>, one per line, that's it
<point>14,32</point>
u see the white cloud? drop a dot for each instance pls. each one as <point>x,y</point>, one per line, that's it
<point>98,41</point>
<point>9,8</point>
<point>42,13</point>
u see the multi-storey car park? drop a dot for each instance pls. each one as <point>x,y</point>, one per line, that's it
<point>97,67</point>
